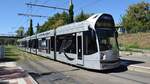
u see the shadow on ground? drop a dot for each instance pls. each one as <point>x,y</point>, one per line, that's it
<point>36,75</point>
<point>126,62</point>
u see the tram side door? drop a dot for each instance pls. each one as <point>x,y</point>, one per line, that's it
<point>79,42</point>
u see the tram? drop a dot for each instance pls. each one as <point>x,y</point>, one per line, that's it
<point>90,44</point>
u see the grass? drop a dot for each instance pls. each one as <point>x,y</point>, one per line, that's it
<point>12,53</point>
<point>135,41</point>
<point>129,49</point>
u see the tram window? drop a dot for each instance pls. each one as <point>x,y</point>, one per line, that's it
<point>107,40</point>
<point>71,43</point>
<point>59,40</point>
<point>39,44</point>
<point>52,44</point>
<point>30,43</point>
<point>105,21</point>
<point>66,43</point>
<point>22,44</point>
<point>49,46</point>
<point>43,43</point>
<point>89,42</point>
<point>25,43</point>
<point>46,41</point>
<point>36,43</point>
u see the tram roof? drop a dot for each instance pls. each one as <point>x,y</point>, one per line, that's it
<point>72,28</point>
<point>69,28</point>
<point>46,34</point>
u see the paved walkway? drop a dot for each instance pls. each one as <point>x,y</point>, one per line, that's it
<point>136,61</point>
<point>12,74</point>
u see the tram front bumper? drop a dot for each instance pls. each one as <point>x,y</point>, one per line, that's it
<point>110,64</point>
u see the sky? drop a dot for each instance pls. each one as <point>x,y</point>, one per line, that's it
<point>10,21</point>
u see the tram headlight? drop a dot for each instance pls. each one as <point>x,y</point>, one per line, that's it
<point>102,56</point>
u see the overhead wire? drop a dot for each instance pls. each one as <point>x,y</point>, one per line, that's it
<point>21,22</point>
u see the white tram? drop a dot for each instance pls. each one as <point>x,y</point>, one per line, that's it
<point>90,44</point>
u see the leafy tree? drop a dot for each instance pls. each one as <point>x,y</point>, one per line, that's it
<point>55,21</point>
<point>71,13</point>
<point>20,31</point>
<point>137,18</point>
<point>30,30</point>
<point>82,16</point>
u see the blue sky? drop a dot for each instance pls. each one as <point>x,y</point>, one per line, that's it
<point>10,21</point>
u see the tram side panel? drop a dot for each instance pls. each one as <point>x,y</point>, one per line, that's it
<point>78,49</point>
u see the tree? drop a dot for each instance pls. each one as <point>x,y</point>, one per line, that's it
<point>55,21</point>
<point>38,28</point>
<point>30,30</point>
<point>60,19</point>
<point>82,16</point>
<point>71,13</point>
<point>20,31</point>
<point>137,18</point>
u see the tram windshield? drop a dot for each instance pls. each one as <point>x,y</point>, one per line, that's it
<point>107,39</point>
<point>106,33</point>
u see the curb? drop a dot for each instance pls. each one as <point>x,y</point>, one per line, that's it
<point>139,69</point>
<point>33,80</point>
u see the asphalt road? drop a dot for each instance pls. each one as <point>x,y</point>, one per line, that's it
<point>46,71</point>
